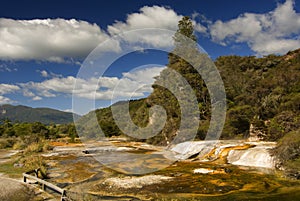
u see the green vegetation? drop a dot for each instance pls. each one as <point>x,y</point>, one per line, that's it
<point>32,139</point>
<point>264,92</point>
<point>198,61</point>
<point>27,160</point>
<point>20,135</point>
<point>288,153</point>
<point>27,114</point>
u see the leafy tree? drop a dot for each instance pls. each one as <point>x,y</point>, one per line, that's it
<point>185,44</point>
<point>8,129</point>
<point>40,129</point>
<point>22,129</point>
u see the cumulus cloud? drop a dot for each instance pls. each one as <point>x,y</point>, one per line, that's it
<point>133,84</point>
<point>143,78</point>
<point>44,73</point>
<point>5,100</point>
<point>273,32</point>
<point>8,88</point>
<point>48,39</point>
<point>151,17</point>
<point>48,87</point>
<point>28,93</point>
<point>144,75</point>
<point>61,40</point>
<point>36,98</point>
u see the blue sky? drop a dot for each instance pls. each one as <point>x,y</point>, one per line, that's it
<point>44,43</point>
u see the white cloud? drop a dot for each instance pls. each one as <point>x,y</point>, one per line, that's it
<point>148,17</point>
<point>273,32</point>
<point>44,73</point>
<point>133,84</point>
<point>28,93</point>
<point>56,84</point>
<point>8,88</point>
<point>5,100</point>
<point>151,17</point>
<point>143,78</point>
<point>68,110</point>
<point>36,98</point>
<point>46,94</point>
<point>48,39</point>
<point>144,75</point>
<point>62,40</point>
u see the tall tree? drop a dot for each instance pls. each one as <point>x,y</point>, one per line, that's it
<point>185,31</point>
<point>185,44</point>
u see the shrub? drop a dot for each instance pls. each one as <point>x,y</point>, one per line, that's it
<point>7,143</point>
<point>34,148</point>
<point>34,161</point>
<point>47,146</point>
<point>288,152</point>
<point>19,145</point>
<point>281,124</point>
<point>288,147</point>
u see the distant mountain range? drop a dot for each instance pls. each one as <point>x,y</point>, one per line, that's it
<point>22,113</point>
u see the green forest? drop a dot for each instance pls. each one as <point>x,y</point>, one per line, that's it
<point>20,135</point>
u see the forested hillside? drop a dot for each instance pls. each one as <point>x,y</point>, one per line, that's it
<point>264,92</point>
<point>22,113</point>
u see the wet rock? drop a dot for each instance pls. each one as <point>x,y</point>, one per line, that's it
<point>252,154</point>
<point>202,171</point>
<point>228,170</point>
<point>188,149</point>
<point>135,182</point>
<point>18,165</point>
<point>258,156</point>
<point>85,152</point>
